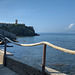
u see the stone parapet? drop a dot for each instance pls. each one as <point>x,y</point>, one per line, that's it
<point>21,68</point>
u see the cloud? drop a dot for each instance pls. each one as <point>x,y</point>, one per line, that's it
<point>70,26</point>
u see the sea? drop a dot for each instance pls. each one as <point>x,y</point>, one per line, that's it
<point>54,58</point>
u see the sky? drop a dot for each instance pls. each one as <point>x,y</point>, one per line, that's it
<point>55,16</point>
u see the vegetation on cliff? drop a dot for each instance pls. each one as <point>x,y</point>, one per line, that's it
<point>19,29</point>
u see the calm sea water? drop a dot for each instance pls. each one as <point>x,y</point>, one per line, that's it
<point>54,57</point>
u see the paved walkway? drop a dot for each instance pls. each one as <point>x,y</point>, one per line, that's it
<point>5,70</point>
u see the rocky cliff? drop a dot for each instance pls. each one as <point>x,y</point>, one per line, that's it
<point>18,29</point>
<point>4,33</point>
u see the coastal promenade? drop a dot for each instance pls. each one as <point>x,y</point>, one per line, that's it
<point>24,68</point>
<point>4,70</point>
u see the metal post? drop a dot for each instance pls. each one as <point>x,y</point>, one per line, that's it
<point>4,60</point>
<point>43,59</point>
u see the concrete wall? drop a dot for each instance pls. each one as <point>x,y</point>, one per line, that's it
<point>19,67</point>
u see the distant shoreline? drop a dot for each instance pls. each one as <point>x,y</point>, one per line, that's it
<point>57,33</point>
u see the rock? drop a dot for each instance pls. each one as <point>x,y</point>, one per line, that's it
<point>19,29</point>
<point>4,33</point>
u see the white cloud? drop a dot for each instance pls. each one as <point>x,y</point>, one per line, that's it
<point>70,26</point>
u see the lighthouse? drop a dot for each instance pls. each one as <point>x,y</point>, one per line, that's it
<point>16,21</point>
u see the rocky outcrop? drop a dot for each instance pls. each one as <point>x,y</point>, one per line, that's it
<point>19,29</point>
<point>4,33</point>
